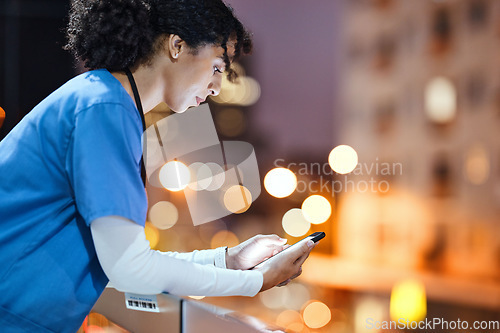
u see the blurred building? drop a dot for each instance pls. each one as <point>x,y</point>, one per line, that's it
<point>420,106</point>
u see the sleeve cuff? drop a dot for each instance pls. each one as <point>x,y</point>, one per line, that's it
<point>220,257</point>
<point>256,280</point>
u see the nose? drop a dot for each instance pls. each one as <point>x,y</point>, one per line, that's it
<point>215,85</point>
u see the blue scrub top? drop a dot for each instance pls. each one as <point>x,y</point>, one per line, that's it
<point>75,157</point>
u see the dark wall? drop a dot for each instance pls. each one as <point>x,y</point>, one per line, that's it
<point>32,61</point>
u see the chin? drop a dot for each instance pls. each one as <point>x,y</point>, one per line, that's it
<point>179,109</point>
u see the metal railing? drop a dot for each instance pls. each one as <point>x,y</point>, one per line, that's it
<point>165,313</point>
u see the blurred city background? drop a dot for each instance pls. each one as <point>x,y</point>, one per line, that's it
<point>375,121</point>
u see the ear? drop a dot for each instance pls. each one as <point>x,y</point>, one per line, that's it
<point>175,46</point>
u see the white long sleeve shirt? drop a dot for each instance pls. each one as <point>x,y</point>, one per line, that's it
<point>132,266</point>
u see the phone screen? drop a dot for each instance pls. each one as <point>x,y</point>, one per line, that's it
<point>315,237</point>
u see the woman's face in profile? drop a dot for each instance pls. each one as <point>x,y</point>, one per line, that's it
<point>193,76</point>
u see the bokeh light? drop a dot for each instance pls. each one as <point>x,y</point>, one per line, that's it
<point>316,314</point>
<point>367,308</point>
<point>316,209</point>
<point>245,91</point>
<point>292,297</point>
<point>224,238</point>
<point>2,116</point>
<point>230,122</point>
<point>97,319</point>
<point>291,320</point>
<point>408,301</point>
<point>252,91</point>
<point>275,298</point>
<point>201,176</point>
<point>207,230</point>
<point>163,215</point>
<point>288,317</point>
<point>152,234</point>
<point>343,159</point>
<point>440,100</point>
<point>477,165</point>
<point>174,176</point>
<point>218,176</point>
<point>294,223</point>
<point>94,329</point>
<point>237,199</point>
<point>298,296</point>
<point>280,182</point>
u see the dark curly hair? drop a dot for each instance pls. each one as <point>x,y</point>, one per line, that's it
<point>117,34</point>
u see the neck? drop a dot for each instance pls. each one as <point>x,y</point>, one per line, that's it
<point>148,85</point>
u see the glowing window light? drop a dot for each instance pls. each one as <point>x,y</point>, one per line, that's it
<point>174,176</point>
<point>316,209</point>
<point>477,165</point>
<point>440,100</point>
<point>280,182</point>
<point>237,199</point>
<point>163,215</point>
<point>343,159</point>
<point>224,238</point>
<point>316,314</point>
<point>294,223</point>
<point>152,234</point>
<point>408,301</point>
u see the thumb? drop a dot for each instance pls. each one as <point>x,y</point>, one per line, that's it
<point>303,249</point>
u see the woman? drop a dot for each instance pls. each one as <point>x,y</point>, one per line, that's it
<point>73,204</point>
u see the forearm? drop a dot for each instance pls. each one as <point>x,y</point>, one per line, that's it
<point>203,257</point>
<point>132,266</point>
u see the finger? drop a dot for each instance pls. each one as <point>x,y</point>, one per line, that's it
<point>278,248</point>
<point>284,283</point>
<point>299,251</point>
<point>271,239</point>
<point>304,257</point>
<point>297,275</point>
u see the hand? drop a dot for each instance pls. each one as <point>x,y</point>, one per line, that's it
<point>281,269</point>
<point>254,250</point>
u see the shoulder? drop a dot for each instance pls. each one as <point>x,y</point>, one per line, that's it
<point>93,88</point>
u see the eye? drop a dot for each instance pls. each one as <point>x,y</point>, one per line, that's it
<point>217,70</point>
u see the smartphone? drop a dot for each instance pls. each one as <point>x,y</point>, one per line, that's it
<point>315,237</point>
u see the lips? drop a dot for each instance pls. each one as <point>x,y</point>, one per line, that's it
<point>199,100</point>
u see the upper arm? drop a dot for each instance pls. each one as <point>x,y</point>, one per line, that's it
<point>103,163</point>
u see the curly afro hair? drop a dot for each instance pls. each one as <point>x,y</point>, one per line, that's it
<point>118,34</point>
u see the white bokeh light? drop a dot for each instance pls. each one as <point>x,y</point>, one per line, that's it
<point>280,182</point>
<point>294,223</point>
<point>174,176</point>
<point>343,159</point>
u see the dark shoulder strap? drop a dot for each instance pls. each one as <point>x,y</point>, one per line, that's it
<point>141,114</point>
